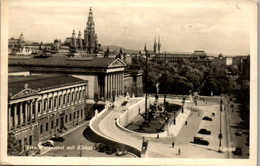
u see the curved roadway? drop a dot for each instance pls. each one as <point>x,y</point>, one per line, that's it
<point>105,125</point>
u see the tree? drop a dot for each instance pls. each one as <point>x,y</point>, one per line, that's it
<point>13,146</point>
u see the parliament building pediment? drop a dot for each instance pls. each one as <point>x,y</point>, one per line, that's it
<point>117,63</point>
<point>24,93</point>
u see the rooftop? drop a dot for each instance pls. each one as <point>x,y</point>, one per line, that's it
<point>39,82</point>
<point>62,61</point>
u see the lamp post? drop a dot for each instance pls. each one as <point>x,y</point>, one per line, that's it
<point>80,150</point>
<point>183,103</point>
<point>146,64</point>
<point>174,119</point>
<point>220,136</point>
<point>164,79</point>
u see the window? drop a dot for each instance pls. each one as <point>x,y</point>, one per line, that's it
<point>68,99</point>
<point>80,95</point>
<point>64,99</point>
<point>28,112</point>
<point>23,115</point>
<point>33,110</point>
<point>47,126</point>
<point>83,94</point>
<point>30,140</point>
<point>55,102</point>
<point>20,142</point>
<point>39,106</point>
<point>74,115</point>
<point>134,79</point>
<point>60,100</point>
<point>52,124</point>
<point>41,128</point>
<point>45,105</point>
<point>66,118</point>
<point>57,122</point>
<point>18,115</point>
<point>50,103</point>
<point>25,141</point>
<point>70,116</point>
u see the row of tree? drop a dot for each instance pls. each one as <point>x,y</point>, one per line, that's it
<point>186,77</point>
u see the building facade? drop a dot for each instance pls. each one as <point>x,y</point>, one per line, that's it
<point>197,57</point>
<point>42,106</point>
<point>105,76</point>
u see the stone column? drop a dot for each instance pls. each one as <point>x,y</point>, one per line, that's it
<point>21,113</point>
<point>111,86</point>
<point>114,81</point>
<point>105,87</point>
<point>26,113</point>
<point>36,111</point>
<point>15,115</point>
<point>31,104</point>
<point>9,117</point>
<point>117,84</point>
<point>122,83</point>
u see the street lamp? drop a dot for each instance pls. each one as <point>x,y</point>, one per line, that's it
<point>146,64</point>
<point>183,102</point>
<point>174,120</point>
<point>80,150</point>
<point>164,79</point>
<point>220,136</point>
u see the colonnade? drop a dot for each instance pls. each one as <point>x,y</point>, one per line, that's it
<point>22,113</point>
<point>113,81</point>
<point>25,112</point>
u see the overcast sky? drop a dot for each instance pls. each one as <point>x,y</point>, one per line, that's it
<point>223,27</point>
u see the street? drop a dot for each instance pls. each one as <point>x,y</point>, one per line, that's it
<point>71,146</point>
<point>162,147</point>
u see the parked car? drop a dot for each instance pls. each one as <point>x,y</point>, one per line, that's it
<point>57,139</point>
<point>238,151</point>
<point>124,103</point>
<point>109,150</point>
<point>204,131</point>
<point>121,152</point>
<point>100,147</point>
<point>238,133</point>
<point>48,143</point>
<point>200,140</point>
<point>207,118</point>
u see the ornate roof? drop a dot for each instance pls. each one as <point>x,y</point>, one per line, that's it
<point>23,86</point>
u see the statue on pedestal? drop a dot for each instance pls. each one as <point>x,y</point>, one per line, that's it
<point>157,92</point>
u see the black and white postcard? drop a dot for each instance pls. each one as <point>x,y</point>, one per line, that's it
<point>118,82</point>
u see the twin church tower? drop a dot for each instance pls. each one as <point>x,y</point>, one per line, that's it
<point>157,46</point>
<point>90,42</point>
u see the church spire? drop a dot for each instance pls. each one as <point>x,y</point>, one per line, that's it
<point>90,37</point>
<point>145,50</point>
<point>80,40</point>
<point>154,46</point>
<point>159,45</point>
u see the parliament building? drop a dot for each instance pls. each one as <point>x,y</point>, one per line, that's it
<point>42,106</point>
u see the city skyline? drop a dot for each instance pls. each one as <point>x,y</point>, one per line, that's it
<point>213,29</point>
